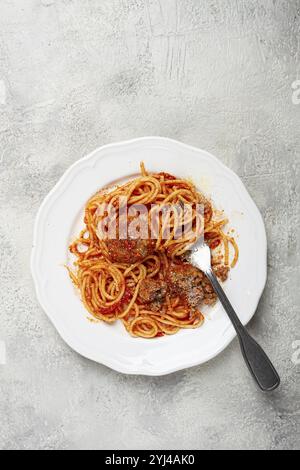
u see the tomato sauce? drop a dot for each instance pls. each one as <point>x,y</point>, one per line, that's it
<point>111,309</point>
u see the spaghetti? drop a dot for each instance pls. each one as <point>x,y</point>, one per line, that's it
<point>148,284</point>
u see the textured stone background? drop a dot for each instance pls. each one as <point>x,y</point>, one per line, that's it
<point>218,74</point>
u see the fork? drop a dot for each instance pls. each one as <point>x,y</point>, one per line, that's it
<point>256,359</point>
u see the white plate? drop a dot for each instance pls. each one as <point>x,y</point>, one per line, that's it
<point>60,217</point>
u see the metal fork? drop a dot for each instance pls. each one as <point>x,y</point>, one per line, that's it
<point>256,359</point>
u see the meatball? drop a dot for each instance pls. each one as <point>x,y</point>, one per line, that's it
<point>153,292</point>
<point>188,282</point>
<point>221,272</point>
<point>129,251</point>
<point>210,296</point>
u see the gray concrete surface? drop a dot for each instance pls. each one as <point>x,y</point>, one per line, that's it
<point>218,74</point>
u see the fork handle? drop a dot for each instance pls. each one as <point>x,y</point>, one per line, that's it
<point>256,359</point>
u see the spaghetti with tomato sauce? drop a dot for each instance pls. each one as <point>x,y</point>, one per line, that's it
<point>148,284</point>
